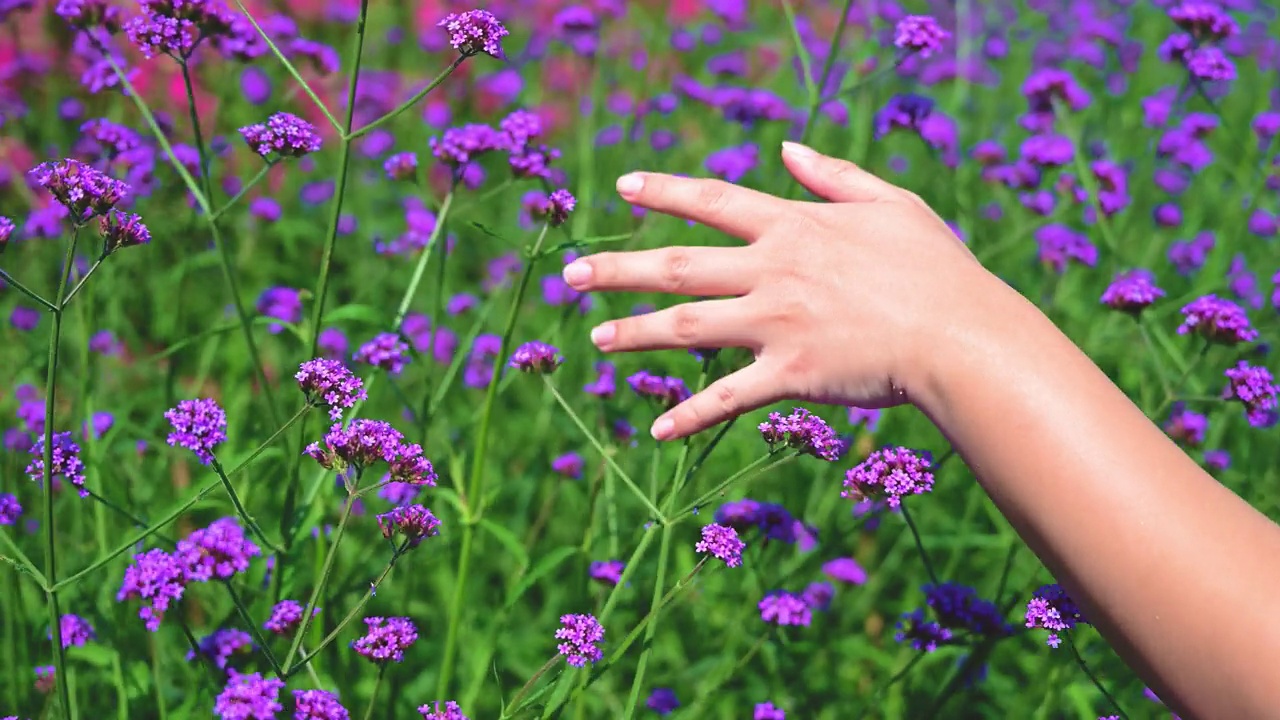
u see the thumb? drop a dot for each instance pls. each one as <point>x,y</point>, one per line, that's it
<point>832,179</point>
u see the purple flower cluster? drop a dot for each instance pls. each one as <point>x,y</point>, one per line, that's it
<point>536,357</point>
<point>218,551</point>
<point>846,570</point>
<point>6,230</point>
<point>386,351</point>
<point>220,646</point>
<point>1186,426</point>
<point>662,701</point>
<point>569,465</point>
<point>76,631</point>
<point>198,425</point>
<point>579,635</point>
<point>401,166</point>
<point>82,190</point>
<point>249,697</point>
<point>1255,388</point>
<point>158,579</point>
<point>606,571</point>
<point>1052,609</point>
<point>283,134</point>
<point>1217,320</point>
<point>10,509</point>
<point>65,464</point>
<point>121,230</point>
<point>958,607</point>
<point>891,474</point>
<point>434,711</point>
<point>805,432</point>
<point>554,207</point>
<point>318,705</point>
<point>606,383</point>
<point>721,542</point>
<point>331,383</point>
<point>280,303</point>
<point>923,634</point>
<point>474,32</point>
<point>668,391</point>
<point>414,522</point>
<point>387,639</point>
<point>458,146</point>
<point>1132,291</point>
<point>768,711</point>
<point>772,520</point>
<point>920,34</point>
<point>781,607</point>
<point>286,615</point>
<point>365,442</point>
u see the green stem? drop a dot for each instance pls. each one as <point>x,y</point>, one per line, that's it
<point>8,279</point>
<point>240,509</point>
<point>915,535</point>
<point>373,698</point>
<point>408,103</point>
<point>307,658</point>
<point>85,278</point>
<point>734,478</point>
<point>157,677</point>
<point>706,451</point>
<point>244,189</point>
<point>420,269</point>
<point>664,550</point>
<point>514,705</point>
<point>696,710</point>
<point>289,66</point>
<point>815,98</point>
<point>1084,667</point>
<point>1191,366</point>
<point>325,573</point>
<point>23,563</point>
<point>258,638</point>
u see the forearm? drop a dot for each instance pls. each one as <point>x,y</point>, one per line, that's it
<point>1123,518</point>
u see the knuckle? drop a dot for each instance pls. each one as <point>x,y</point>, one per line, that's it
<point>713,196</point>
<point>725,397</point>
<point>685,324</point>
<point>675,269</point>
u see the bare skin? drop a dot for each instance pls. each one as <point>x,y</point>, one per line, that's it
<point>870,300</point>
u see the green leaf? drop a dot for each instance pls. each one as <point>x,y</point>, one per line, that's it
<point>548,563</point>
<point>93,654</point>
<point>503,534</point>
<point>360,313</point>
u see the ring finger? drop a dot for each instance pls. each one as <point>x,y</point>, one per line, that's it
<point>700,271</point>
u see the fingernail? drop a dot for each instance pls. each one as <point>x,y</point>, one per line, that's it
<point>630,184</point>
<point>662,428</point>
<point>603,335</point>
<point>577,273</point>
<point>797,150</point>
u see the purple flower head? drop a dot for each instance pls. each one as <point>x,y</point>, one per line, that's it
<point>1052,609</point>
<point>1185,426</point>
<point>1045,85</point>
<point>386,351</point>
<point>662,701</point>
<point>569,465</point>
<point>286,616</point>
<point>1059,245</point>
<point>105,342</point>
<point>329,382</point>
<point>401,166</point>
<point>1217,320</point>
<point>1205,21</point>
<point>474,32</point>
<point>158,579</point>
<point>920,34</point>
<point>413,522</point>
<point>922,634</point>
<point>361,443</point>
<point>785,608</point>
<point>387,639</point>
<point>767,711</point>
<point>1266,125</point>
<point>818,595</point>
<point>65,464</point>
<point>732,163</point>
<point>606,571</point>
<point>1255,388</point>
<point>10,509</point>
<point>803,431</point>
<point>280,303</point>
<point>1209,64</point>
<point>75,630</point>
<point>6,230</point>
<point>1188,256</point>
<point>846,570</point>
<point>458,146</point>
<point>45,678</point>
<point>448,710</point>
<point>536,357</point>
<point>906,111</point>
<point>1217,460</point>
<point>605,384</point>
<point>82,190</point>
<point>721,542</point>
<point>318,705</point>
<point>283,134</point>
<point>958,607</point>
<point>222,644</point>
<point>1132,291</point>
<point>121,230</point>
<point>24,318</point>
<point>578,27</point>
<point>579,635</point>
<point>862,416</point>
<point>332,344</point>
<point>249,697</point>
<point>891,474</point>
<point>555,207</point>
<point>218,551</point>
<point>1048,150</point>
<point>198,425</point>
<point>669,391</point>
<point>79,14</point>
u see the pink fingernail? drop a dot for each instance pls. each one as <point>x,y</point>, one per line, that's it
<point>577,273</point>
<point>603,335</point>
<point>630,184</point>
<point>795,149</point>
<point>663,428</point>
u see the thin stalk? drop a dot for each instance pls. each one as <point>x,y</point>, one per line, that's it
<point>244,189</point>
<point>664,550</point>
<point>706,451</point>
<point>373,698</point>
<point>240,509</point>
<point>51,534</point>
<point>289,66</point>
<point>1191,366</point>
<point>258,638</point>
<point>23,563</point>
<point>915,535</point>
<point>85,278</point>
<point>872,76</point>
<point>734,478</point>
<point>329,559</point>
<point>815,99</point>
<point>408,103</point>
<point>1084,667</point>
<point>157,677</point>
<point>697,708</point>
<point>346,620</point>
<point>420,269</point>
<point>897,677</point>
<point>514,705</point>
<point>9,280</point>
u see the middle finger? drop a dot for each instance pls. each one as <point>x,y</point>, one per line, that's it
<point>697,271</point>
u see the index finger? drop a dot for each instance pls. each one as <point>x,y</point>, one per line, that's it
<point>729,208</point>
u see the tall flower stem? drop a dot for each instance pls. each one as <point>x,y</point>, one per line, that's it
<point>1084,667</point>
<point>421,268</point>
<point>753,467</point>
<point>514,705</point>
<point>240,509</point>
<point>244,189</point>
<point>474,500</point>
<point>407,104</point>
<point>373,698</point>
<point>816,90</point>
<point>50,528</point>
<point>306,657</point>
<point>915,535</point>
<point>325,573</point>
<point>8,279</point>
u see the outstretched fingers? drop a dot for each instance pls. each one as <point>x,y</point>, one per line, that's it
<point>729,208</point>
<point>752,387</point>
<point>704,324</point>
<point>698,271</point>
<point>833,179</point>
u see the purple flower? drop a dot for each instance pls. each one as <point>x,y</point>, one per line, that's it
<point>1217,320</point>
<point>1048,150</point>
<point>24,318</point>
<point>6,230</point>
<point>284,134</point>
<point>122,230</point>
<point>890,473</point>
<point>732,163</point>
<point>669,391</point>
<point>1185,426</point>
<point>331,383</point>
<point>474,32</point>
<point>958,607</point>
<point>105,342</point>
<point>906,111</point>
<point>285,617</point>
<point>923,635</point>
<point>401,166</point>
<point>721,542</point>
<point>919,33</point>
<point>1052,609</point>
<point>414,522</point>
<point>386,351</point>
<point>281,303</point>
<point>458,146</point>
<point>1045,85</point>
<point>1209,64</point>
<point>318,705</point>
<point>606,571</point>
<point>767,711</point>
<point>1254,388</point>
<point>536,357</point>
<point>785,608</point>
<point>65,464</point>
<point>662,701</point>
<point>45,678</point>
<point>198,425</point>
<point>860,416</point>
<point>10,509</point>
<point>818,595</point>
<point>569,465</point>
<point>218,551</point>
<point>332,344</point>
<point>1203,20</point>
<point>605,384</point>
<point>249,697</point>
<point>804,431</point>
<point>579,635</point>
<point>555,207</point>
<point>1132,291</point>
<point>1059,245</point>
<point>222,644</point>
<point>434,711</point>
<point>1217,460</point>
<point>76,631</point>
<point>158,579</point>
<point>82,190</point>
<point>365,442</point>
<point>846,570</point>
<point>1189,256</point>
<point>387,639</point>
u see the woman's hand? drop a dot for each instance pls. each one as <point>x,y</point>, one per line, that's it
<point>845,302</point>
